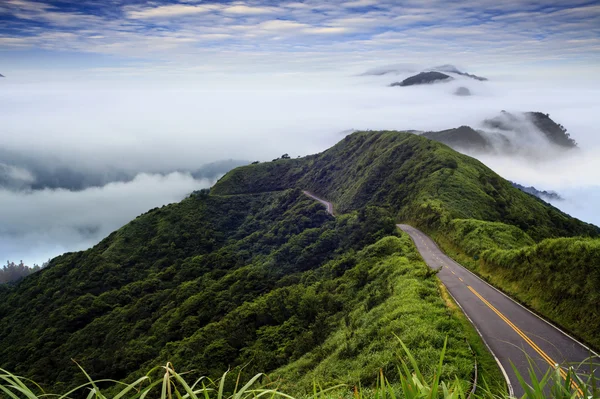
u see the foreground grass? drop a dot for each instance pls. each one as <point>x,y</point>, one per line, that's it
<point>165,383</point>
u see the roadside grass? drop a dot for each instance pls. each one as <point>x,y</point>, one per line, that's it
<point>403,299</point>
<point>489,374</point>
<point>165,383</point>
<point>558,278</point>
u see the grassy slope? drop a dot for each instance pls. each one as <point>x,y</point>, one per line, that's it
<point>415,178</point>
<point>466,206</point>
<point>258,272</point>
<point>558,277</point>
<point>411,308</point>
<point>267,280</point>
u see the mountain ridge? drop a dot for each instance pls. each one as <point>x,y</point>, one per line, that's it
<point>423,78</point>
<point>254,269</point>
<point>509,132</point>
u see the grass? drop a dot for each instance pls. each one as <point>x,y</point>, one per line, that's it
<point>558,278</point>
<point>254,272</point>
<point>401,298</point>
<point>165,383</point>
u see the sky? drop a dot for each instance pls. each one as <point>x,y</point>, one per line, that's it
<point>133,37</point>
<point>108,106</point>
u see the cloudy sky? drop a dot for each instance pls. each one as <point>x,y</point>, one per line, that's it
<point>107,106</point>
<point>134,36</point>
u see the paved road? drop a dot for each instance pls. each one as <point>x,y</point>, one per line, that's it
<point>327,204</point>
<point>511,332</point>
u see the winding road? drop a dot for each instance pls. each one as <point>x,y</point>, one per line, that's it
<point>512,333</point>
<point>327,204</point>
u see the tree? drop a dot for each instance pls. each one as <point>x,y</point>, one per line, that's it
<point>13,272</point>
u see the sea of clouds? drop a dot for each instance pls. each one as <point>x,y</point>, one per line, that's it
<point>152,131</point>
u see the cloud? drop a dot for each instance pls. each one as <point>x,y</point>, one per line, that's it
<point>241,9</point>
<point>360,3</point>
<point>482,32</point>
<point>174,10</point>
<point>38,225</point>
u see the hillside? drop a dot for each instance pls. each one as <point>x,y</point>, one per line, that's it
<point>423,78</point>
<point>543,194</point>
<point>522,123</point>
<point>268,280</point>
<point>255,273</point>
<point>509,134</point>
<point>414,178</point>
<point>434,187</point>
<point>462,138</point>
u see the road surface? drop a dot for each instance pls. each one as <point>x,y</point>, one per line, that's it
<point>511,331</point>
<point>327,204</point>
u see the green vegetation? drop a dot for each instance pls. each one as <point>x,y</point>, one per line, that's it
<point>467,207</point>
<point>12,271</point>
<point>477,236</point>
<point>165,383</point>
<point>400,298</point>
<point>414,178</point>
<point>559,278</point>
<point>267,283</point>
<point>257,277</point>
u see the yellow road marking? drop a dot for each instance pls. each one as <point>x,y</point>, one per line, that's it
<point>461,279</point>
<point>543,354</point>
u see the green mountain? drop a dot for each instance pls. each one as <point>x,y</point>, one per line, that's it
<point>256,274</point>
<point>413,178</point>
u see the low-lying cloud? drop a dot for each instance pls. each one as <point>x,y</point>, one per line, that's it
<point>37,225</point>
<point>146,128</point>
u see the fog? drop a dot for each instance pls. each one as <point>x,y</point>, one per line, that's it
<point>38,225</point>
<point>144,128</point>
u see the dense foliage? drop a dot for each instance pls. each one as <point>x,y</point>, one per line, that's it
<point>256,274</point>
<point>15,271</point>
<point>416,179</point>
<point>270,281</point>
<point>557,277</point>
<point>466,206</point>
<point>560,278</point>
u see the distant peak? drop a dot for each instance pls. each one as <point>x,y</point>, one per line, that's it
<point>449,68</point>
<point>423,78</point>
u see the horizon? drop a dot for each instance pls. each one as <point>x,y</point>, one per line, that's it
<point>125,38</point>
<point>148,90</point>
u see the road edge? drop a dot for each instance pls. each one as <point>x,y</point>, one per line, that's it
<point>566,334</point>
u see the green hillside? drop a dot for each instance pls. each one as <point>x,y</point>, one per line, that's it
<point>268,281</point>
<point>466,207</point>
<point>256,274</point>
<point>416,179</point>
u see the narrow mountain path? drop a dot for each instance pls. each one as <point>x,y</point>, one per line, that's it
<point>327,204</point>
<point>512,333</point>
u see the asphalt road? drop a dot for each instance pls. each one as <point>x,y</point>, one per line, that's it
<point>327,204</point>
<point>513,334</point>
